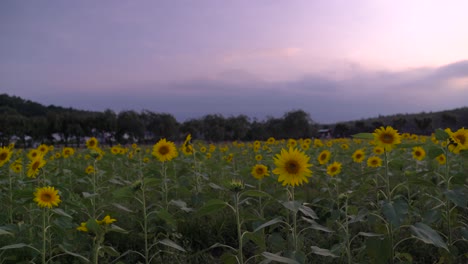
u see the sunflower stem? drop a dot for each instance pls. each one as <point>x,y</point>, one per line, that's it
<point>44,234</point>
<point>240,254</point>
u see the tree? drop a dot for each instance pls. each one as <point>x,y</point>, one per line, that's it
<point>423,124</point>
<point>129,127</point>
<point>297,124</point>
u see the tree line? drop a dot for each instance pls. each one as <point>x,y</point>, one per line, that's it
<point>28,122</point>
<point>25,121</point>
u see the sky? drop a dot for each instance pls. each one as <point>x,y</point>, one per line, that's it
<point>337,60</point>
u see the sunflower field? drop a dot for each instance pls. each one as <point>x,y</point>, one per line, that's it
<point>379,197</point>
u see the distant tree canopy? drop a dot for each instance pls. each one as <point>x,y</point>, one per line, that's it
<point>26,122</point>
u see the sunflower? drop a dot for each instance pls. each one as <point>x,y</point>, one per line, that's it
<point>459,140</point>
<point>358,156</point>
<point>92,143</point>
<point>305,146</point>
<point>334,168</point>
<point>374,162</point>
<point>378,150</point>
<point>5,155</point>
<point>43,148</point>
<point>164,150</point>
<point>324,157</point>
<point>345,146</point>
<point>89,169</point>
<point>33,153</point>
<point>441,159</point>
<point>258,157</point>
<point>203,149</point>
<point>67,152</point>
<point>82,227</point>
<point>115,150</point>
<point>292,143</point>
<point>271,140</point>
<point>419,153</point>
<point>34,166</point>
<point>107,220</point>
<point>16,166</point>
<point>318,143</point>
<point>292,167</point>
<point>259,171</point>
<point>47,197</point>
<point>386,137</point>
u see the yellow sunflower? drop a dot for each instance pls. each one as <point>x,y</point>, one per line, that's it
<point>418,153</point>
<point>82,227</point>
<point>47,197</point>
<point>324,157</point>
<point>67,152</point>
<point>271,140</point>
<point>89,169</point>
<point>258,157</point>
<point>292,167</point>
<point>33,153</point>
<point>5,155</point>
<point>441,159</point>
<point>164,150</point>
<point>115,150</point>
<point>16,166</point>
<point>387,137</point>
<point>378,150</point>
<point>107,220</point>
<point>358,156</point>
<point>43,148</point>
<point>459,140</point>
<point>92,143</point>
<point>374,162</point>
<point>318,143</point>
<point>259,171</point>
<point>334,168</point>
<point>34,166</point>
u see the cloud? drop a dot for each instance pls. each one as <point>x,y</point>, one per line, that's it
<point>364,94</point>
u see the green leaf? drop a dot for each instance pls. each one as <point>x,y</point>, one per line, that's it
<point>215,186</point>
<point>73,254</point>
<point>255,193</point>
<point>441,134</point>
<point>457,196</point>
<point>278,258</point>
<point>182,205</point>
<point>395,211</point>
<point>269,223</point>
<point>172,244</point>
<point>61,212</point>
<point>308,212</point>
<point>409,145</point>
<point>369,234</point>
<point>110,251</point>
<point>434,152</point>
<point>363,136</point>
<point>323,252</point>
<point>292,205</point>
<point>211,206</point>
<point>123,208</point>
<point>87,195</point>
<point>314,225</point>
<point>428,235</point>
<point>19,245</point>
<point>166,216</point>
<point>93,226</point>
<point>118,229</point>
<point>4,232</point>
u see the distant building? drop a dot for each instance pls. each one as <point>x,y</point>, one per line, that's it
<point>324,133</point>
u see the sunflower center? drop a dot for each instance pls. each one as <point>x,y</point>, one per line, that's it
<point>92,143</point>
<point>35,165</point>
<point>323,157</point>
<point>461,138</point>
<point>46,197</point>
<point>3,156</point>
<point>34,154</point>
<point>163,150</point>
<point>418,153</point>
<point>358,156</point>
<point>333,169</point>
<point>292,167</point>
<point>259,171</point>
<point>387,138</point>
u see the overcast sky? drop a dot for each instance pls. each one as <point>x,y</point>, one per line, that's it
<point>335,59</point>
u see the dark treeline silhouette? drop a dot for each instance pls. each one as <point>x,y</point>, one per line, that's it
<point>28,123</point>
